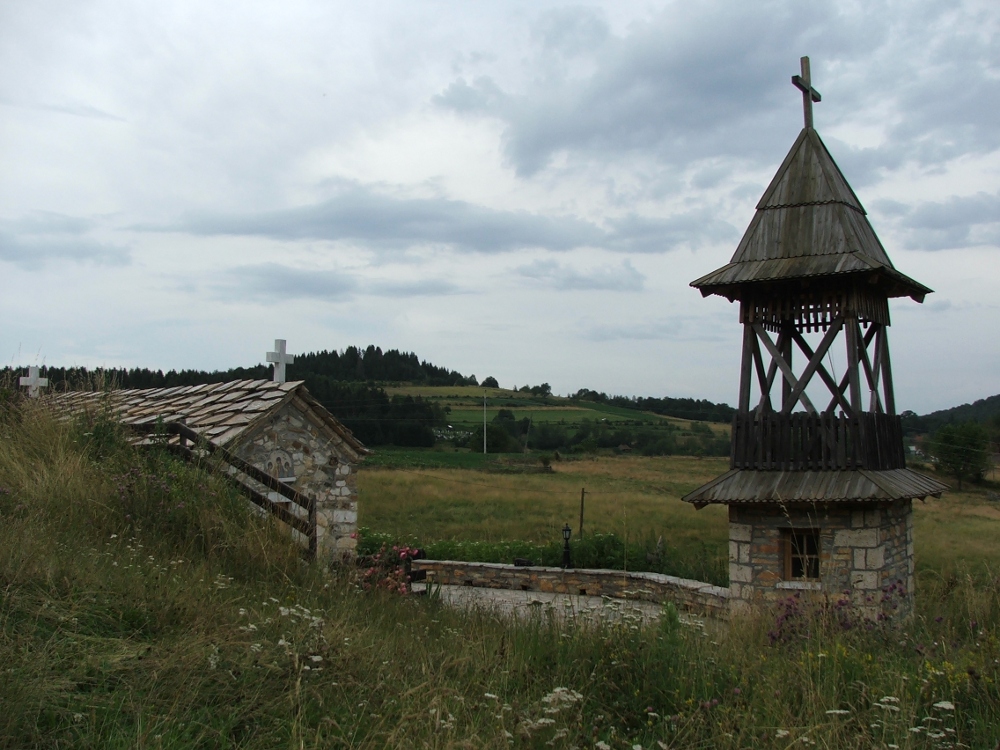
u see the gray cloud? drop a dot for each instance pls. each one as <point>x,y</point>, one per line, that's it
<point>383,221</point>
<point>623,278</point>
<point>959,221</point>
<point>712,80</point>
<point>679,328</point>
<point>696,81</point>
<point>75,109</point>
<point>692,229</point>
<point>379,221</point>
<point>416,288</point>
<point>571,31</point>
<point>272,283</point>
<point>38,237</point>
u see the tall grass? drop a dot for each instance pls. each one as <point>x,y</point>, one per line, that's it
<point>130,620</point>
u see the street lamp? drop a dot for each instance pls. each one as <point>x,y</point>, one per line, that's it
<point>567,532</point>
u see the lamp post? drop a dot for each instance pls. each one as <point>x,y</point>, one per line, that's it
<point>567,532</point>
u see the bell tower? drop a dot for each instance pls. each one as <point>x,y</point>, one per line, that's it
<point>818,490</point>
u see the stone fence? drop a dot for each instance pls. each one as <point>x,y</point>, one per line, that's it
<point>688,596</point>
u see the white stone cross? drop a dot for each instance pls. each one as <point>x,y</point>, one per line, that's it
<point>280,359</point>
<point>34,383</point>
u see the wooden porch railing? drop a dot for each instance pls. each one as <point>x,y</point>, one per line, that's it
<point>816,442</point>
<point>193,447</point>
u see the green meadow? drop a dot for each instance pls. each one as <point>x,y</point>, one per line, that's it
<point>144,605</point>
<point>465,407</point>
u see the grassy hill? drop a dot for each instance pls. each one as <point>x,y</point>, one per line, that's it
<point>550,423</point>
<point>142,605</point>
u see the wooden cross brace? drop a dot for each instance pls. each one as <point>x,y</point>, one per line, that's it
<point>796,384</point>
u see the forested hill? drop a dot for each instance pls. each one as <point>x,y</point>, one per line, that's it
<point>984,411</point>
<point>354,365</point>
<point>351,366</point>
<point>350,384</point>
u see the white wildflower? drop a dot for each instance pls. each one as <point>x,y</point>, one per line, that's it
<point>602,745</point>
<point>316,658</point>
<point>490,696</point>
<point>837,712</point>
<point>888,699</point>
<point>782,733</point>
<point>945,705</point>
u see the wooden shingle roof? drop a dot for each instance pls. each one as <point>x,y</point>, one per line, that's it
<point>221,412</point>
<point>809,223</point>
<point>862,485</point>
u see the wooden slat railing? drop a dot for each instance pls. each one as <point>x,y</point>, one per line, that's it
<point>816,442</point>
<point>234,466</point>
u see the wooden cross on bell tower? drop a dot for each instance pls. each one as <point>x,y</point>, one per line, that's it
<point>809,94</point>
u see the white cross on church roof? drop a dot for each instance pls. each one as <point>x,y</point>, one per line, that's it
<point>34,383</point>
<point>280,358</point>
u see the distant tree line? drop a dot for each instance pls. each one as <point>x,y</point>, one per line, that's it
<point>683,408</point>
<point>985,411</point>
<point>507,434</point>
<point>964,440</point>
<point>347,383</point>
<point>372,364</point>
<point>363,407</point>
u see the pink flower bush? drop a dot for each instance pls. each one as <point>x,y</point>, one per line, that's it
<point>389,571</point>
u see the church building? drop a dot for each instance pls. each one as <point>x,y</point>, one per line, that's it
<point>276,427</point>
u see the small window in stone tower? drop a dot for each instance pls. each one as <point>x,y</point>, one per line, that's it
<point>801,550</point>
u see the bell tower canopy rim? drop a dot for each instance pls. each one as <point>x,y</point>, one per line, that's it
<point>809,225</point>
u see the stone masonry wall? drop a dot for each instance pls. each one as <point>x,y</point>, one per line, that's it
<point>864,550</point>
<point>292,448</point>
<point>687,595</point>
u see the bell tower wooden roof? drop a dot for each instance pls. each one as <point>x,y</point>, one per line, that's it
<point>809,225</point>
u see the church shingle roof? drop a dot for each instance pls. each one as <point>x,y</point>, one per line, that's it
<point>221,412</point>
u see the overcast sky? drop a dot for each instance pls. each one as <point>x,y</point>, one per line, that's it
<point>515,189</point>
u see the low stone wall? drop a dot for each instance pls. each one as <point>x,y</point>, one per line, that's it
<point>689,596</point>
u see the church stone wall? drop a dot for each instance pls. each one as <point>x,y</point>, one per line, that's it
<point>866,551</point>
<point>291,447</point>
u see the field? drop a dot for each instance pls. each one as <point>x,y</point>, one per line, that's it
<point>142,605</point>
<point>419,496</point>
<point>465,408</point>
